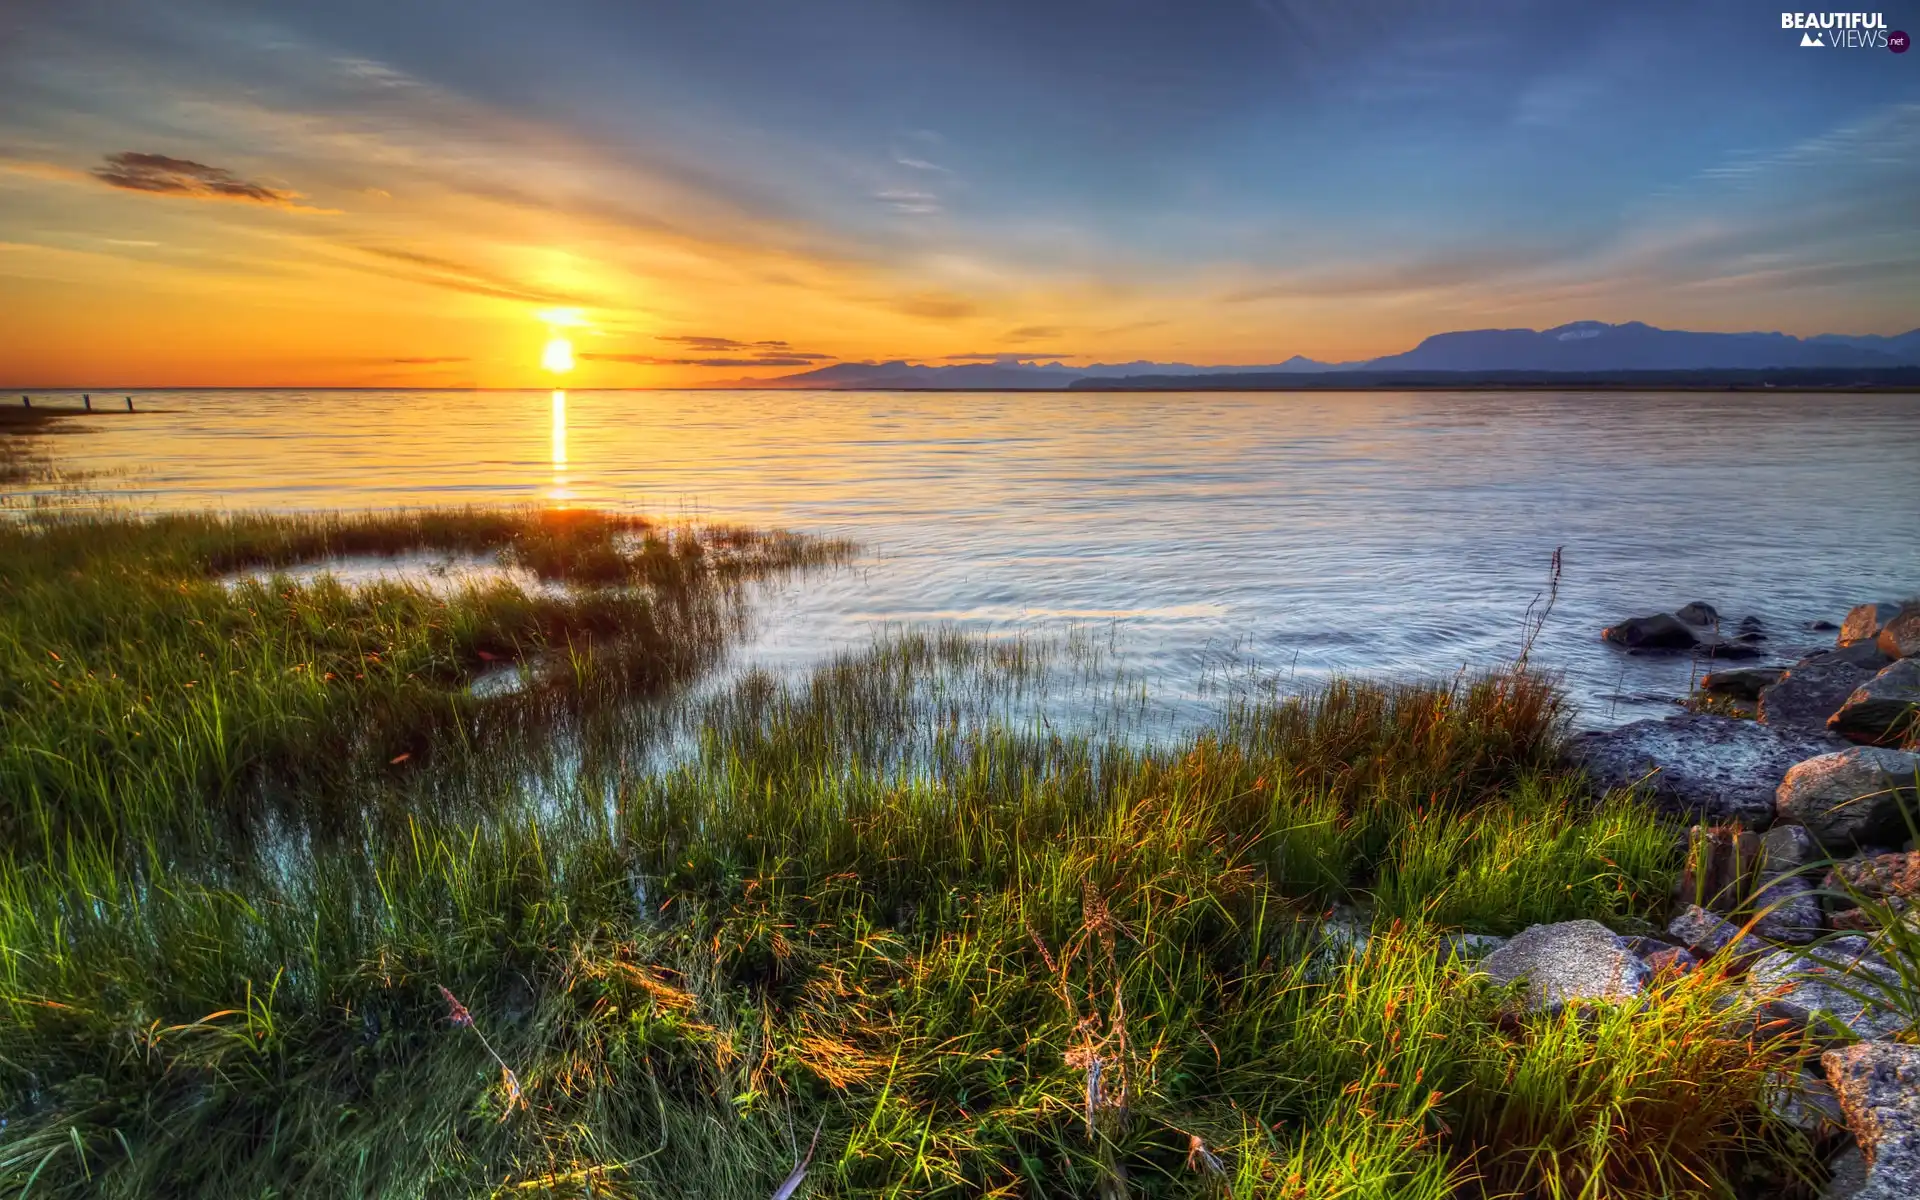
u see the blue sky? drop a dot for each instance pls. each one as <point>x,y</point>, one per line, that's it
<point>1208,181</point>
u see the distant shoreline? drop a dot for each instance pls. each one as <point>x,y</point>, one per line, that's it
<point>1905,380</point>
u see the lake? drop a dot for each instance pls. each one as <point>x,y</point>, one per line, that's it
<point>1203,534</point>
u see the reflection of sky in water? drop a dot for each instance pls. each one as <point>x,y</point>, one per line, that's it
<point>1373,533</point>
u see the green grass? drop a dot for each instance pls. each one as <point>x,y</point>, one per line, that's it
<point>887,902</point>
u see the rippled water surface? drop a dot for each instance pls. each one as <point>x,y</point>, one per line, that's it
<point>1368,532</point>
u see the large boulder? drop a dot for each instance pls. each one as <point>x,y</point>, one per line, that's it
<point>1831,988</point>
<point>1864,622</point>
<point>1878,1086</point>
<point>1862,796</point>
<point>1883,711</point>
<point>1715,768</point>
<point>1569,962</point>
<point>1900,636</point>
<point>1741,683</point>
<point>1813,689</point>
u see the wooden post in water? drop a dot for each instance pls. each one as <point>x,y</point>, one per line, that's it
<point>129,403</point>
<point>88,400</point>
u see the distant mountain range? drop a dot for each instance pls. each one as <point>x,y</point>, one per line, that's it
<point>1589,348</point>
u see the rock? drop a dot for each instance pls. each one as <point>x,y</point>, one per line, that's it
<point>1803,987</point>
<point>1862,920</point>
<point>1345,933</point>
<point>1846,1175</point>
<point>1719,869</point>
<point>1785,848</point>
<point>1787,910</point>
<point>1698,613</point>
<point>1567,962</point>
<point>1859,796</point>
<point>1712,647</point>
<point>1879,875</point>
<point>1742,683</point>
<point>1699,765</point>
<point>1878,1086</point>
<point>1822,626</point>
<point>1900,636</point>
<point>1861,654</point>
<point>1707,934</point>
<point>1883,711</point>
<point>1805,1101</point>
<point>1864,622</point>
<point>1658,631</point>
<point>1469,947</point>
<point>1813,689</point>
<point>1676,960</point>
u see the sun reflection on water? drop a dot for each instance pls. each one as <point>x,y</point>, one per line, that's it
<point>559,493</point>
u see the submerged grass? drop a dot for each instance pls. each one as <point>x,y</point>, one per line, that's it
<point>867,925</point>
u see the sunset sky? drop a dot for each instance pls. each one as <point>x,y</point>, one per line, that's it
<point>415,192</point>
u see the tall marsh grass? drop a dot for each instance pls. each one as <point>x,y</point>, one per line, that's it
<point>969,953</point>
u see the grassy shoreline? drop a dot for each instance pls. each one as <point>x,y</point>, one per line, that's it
<point>865,923</point>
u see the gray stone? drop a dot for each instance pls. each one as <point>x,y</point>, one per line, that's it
<point>1817,986</point>
<point>1708,933</point>
<point>1345,933</point>
<point>1878,1086</point>
<point>1785,848</point>
<point>1846,1174</point>
<point>1657,631</point>
<point>1859,796</point>
<point>1741,683</point>
<point>1861,654</point>
<point>1883,711</point>
<point>1813,689</point>
<point>1698,613</point>
<point>1469,947</point>
<point>1806,1102</point>
<point>1788,910</point>
<point>1568,962</point>
<point>1700,765</point>
<point>1900,636</point>
<point>1863,622</point>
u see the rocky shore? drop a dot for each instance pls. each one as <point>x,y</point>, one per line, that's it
<point>1803,862</point>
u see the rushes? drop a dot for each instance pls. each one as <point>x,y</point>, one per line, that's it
<point>980,957</point>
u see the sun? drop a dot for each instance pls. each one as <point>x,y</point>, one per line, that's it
<point>558,356</point>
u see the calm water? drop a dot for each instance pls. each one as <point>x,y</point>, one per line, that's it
<point>1368,532</point>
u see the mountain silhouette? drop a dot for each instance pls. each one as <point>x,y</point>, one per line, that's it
<point>1583,346</point>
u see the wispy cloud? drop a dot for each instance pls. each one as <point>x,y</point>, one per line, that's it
<point>162,174</point>
<point>453,275</point>
<point>909,200</point>
<point>652,360</point>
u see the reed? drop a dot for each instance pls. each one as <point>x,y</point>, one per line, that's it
<point>877,931</point>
